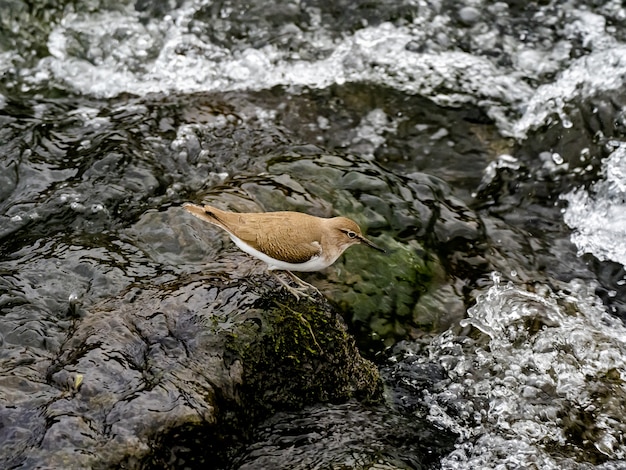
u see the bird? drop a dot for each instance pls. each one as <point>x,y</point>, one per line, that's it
<point>287,241</point>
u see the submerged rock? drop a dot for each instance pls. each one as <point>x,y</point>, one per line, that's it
<point>348,435</point>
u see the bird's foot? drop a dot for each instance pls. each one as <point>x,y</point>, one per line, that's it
<point>303,288</point>
<point>304,284</point>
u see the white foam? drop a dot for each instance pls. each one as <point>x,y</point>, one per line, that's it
<point>543,364</point>
<point>598,215</point>
<point>106,54</point>
<point>595,73</point>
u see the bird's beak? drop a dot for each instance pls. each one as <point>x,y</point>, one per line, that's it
<point>365,241</point>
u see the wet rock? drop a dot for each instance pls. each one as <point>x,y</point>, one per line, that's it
<point>403,133</point>
<point>200,360</point>
<point>349,435</point>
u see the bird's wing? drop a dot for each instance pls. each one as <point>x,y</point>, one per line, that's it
<point>285,241</point>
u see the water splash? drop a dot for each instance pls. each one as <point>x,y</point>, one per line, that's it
<point>540,386</point>
<point>105,54</point>
<point>597,72</point>
<point>598,215</point>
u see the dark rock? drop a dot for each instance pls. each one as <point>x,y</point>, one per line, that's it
<point>348,435</point>
<point>178,375</point>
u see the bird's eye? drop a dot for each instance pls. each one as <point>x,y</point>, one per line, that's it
<point>351,234</point>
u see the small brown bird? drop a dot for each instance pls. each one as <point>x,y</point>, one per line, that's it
<point>287,241</point>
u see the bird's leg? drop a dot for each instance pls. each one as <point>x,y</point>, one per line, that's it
<point>302,288</point>
<point>303,284</point>
<point>296,292</point>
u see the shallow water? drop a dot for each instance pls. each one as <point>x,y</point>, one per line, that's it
<point>469,137</point>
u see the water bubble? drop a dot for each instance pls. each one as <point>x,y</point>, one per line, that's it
<point>77,206</point>
<point>323,123</point>
<point>441,133</point>
<point>469,15</point>
<point>584,154</point>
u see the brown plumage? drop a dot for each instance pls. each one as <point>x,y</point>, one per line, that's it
<point>290,241</point>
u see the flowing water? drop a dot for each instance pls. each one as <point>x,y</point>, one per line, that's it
<point>483,142</point>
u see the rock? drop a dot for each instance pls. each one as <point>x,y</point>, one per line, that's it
<point>347,435</point>
<point>199,360</point>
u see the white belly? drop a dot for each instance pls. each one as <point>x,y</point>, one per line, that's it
<point>314,264</point>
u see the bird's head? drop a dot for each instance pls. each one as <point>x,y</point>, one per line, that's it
<point>346,233</point>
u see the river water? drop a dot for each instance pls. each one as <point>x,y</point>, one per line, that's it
<point>483,143</point>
